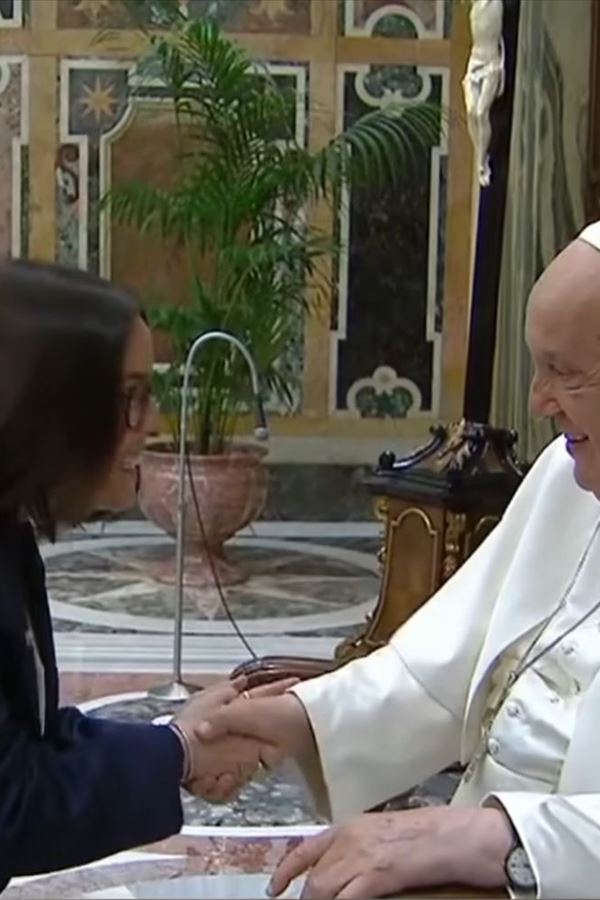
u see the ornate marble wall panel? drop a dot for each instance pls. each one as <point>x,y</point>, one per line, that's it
<point>94,96</point>
<point>264,16</point>
<point>99,14</point>
<point>97,112</point>
<point>387,329</point>
<point>108,135</point>
<point>374,366</point>
<point>13,13</point>
<point>404,19</point>
<point>14,168</point>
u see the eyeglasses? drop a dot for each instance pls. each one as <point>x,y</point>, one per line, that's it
<point>137,400</point>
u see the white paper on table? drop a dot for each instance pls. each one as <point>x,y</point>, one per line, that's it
<point>199,887</point>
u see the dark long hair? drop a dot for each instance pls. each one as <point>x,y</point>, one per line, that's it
<point>63,335</point>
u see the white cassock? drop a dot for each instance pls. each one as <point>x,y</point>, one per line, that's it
<point>386,722</point>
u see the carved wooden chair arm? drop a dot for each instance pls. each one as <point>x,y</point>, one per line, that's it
<point>272,668</point>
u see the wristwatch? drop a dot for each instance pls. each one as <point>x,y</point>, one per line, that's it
<point>518,870</point>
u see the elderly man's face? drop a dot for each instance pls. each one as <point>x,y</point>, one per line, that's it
<point>563,334</point>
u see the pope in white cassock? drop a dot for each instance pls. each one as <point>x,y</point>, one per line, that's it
<point>500,669</point>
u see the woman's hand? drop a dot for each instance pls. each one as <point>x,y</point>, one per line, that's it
<point>219,768</point>
<point>379,854</point>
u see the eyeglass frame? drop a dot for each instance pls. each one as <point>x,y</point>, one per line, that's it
<point>140,393</point>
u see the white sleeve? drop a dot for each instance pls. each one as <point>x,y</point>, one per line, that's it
<point>377,730</point>
<point>385,722</point>
<point>561,835</point>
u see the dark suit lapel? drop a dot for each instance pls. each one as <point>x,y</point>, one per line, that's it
<point>23,595</point>
<point>39,617</point>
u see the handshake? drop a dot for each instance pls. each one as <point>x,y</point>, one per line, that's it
<point>229,733</point>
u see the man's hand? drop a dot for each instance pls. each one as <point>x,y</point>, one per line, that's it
<point>378,854</point>
<point>220,768</point>
<point>278,723</point>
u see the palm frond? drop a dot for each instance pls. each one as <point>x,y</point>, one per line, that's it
<point>378,148</point>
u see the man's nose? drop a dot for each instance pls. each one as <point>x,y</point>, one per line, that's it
<point>542,401</point>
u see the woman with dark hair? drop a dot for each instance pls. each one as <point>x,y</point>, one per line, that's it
<point>75,410</point>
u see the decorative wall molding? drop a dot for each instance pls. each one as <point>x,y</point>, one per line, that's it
<point>376,86</point>
<point>419,20</point>
<point>384,395</point>
<point>12,13</point>
<point>14,164</point>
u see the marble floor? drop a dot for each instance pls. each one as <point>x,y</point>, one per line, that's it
<point>308,586</point>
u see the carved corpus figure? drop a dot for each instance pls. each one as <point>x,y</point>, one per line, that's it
<point>484,78</point>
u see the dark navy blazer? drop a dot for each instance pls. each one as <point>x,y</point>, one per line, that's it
<point>86,787</point>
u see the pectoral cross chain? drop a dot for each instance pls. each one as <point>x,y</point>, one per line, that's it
<point>488,724</point>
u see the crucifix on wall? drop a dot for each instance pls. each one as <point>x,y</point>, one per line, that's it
<point>484,79</point>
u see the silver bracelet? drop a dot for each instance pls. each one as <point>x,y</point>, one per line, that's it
<point>187,752</point>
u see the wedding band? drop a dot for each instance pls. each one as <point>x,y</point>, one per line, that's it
<point>246,695</point>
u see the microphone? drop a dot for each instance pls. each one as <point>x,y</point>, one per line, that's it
<point>261,429</point>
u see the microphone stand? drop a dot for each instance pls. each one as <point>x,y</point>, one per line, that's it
<point>177,689</point>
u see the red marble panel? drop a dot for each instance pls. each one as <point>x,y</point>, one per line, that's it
<point>266,16</point>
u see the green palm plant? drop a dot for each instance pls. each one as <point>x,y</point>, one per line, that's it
<point>241,199</point>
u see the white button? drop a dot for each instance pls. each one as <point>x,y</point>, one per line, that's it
<point>554,698</point>
<point>569,648</point>
<point>513,709</point>
<point>493,747</point>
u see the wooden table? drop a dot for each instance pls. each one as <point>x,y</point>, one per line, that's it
<point>456,891</point>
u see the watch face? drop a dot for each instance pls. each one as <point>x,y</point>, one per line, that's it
<point>519,871</point>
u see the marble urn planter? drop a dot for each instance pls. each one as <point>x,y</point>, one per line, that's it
<point>231,491</point>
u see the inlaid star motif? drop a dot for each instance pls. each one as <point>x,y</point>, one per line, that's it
<point>273,9</point>
<point>99,100</point>
<point>93,8</point>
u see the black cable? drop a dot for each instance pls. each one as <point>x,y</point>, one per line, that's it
<point>211,562</point>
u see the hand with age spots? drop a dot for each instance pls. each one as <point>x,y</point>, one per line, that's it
<point>382,854</point>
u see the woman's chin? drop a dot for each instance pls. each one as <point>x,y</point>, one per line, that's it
<point>120,495</point>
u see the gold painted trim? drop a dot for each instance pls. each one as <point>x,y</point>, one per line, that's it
<point>431,530</point>
<point>471,535</point>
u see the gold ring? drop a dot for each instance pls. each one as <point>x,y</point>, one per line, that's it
<point>246,695</point>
